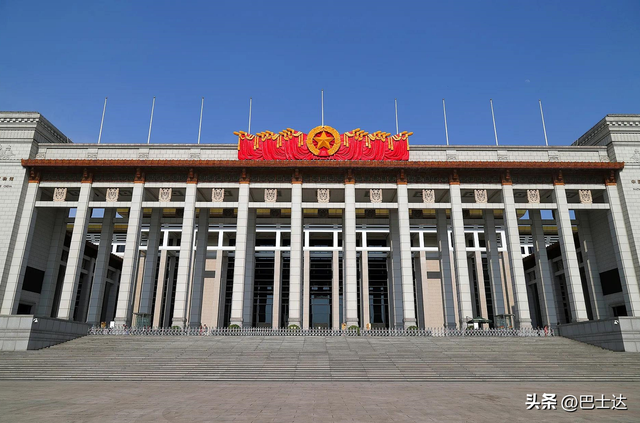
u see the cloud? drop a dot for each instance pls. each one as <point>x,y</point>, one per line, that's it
<point>527,81</point>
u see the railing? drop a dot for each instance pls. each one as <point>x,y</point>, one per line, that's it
<point>433,332</point>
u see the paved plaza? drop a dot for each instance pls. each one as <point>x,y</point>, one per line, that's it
<point>58,401</point>
<point>307,379</point>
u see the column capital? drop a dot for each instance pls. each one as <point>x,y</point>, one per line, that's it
<point>558,178</point>
<point>297,177</point>
<point>505,178</point>
<point>139,176</point>
<point>244,176</point>
<point>611,178</point>
<point>192,176</point>
<point>34,175</point>
<point>454,178</point>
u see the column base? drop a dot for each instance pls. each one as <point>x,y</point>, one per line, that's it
<point>409,323</point>
<point>179,322</point>
<point>524,324</point>
<point>295,322</point>
<point>235,322</point>
<point>352,323</point>
<point>119,322</point>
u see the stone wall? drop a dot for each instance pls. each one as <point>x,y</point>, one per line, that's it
<point>24,332</point>
<point>616,334</point>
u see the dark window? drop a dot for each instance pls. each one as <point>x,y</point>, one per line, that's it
<point>120,249</point>
<point>26,308</point>
<point>618,311</point>
<point>33,280</point>
<point>610,281</point>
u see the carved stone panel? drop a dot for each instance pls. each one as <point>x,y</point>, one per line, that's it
<point>375,195</point>
<point>324,195</point>
<point>428,196</point>
<point>585,196</point>
<point>217,195</point>
<point>270,195</point>
<point>533,196</point>
<point>480,195</point>
<point>112,195</point>
<point>165,194</point>
<point>59,194</point>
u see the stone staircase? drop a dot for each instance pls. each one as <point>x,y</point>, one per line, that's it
<point>322,359</point>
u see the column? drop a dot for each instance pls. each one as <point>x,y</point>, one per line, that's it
<point>295,260</point>
<point>195,318</point>
<point>53,264</point>
<point>102,265</point>
<point>408,298</point>
<point>306,289</point>
<point>465,309</point>
<point>482,293</point>
<point>237,299</point>
<point>76,254</point>
<point>20,254</point>
<point>543,272</point>
<point>445,269</point>
<point>472,289</point>
<point>162,272</point>
<point>128,274</point>
<point>151,261</point>
<point>395,276</point>
<point>221,284</point>
<point>350,292</point>
<point>277,288</point>
<point>186,251</point>
<point>493,262</point>
<point>569,256</point>
<point>249,271</point>
<point>420,270</point>
<point>622,249</point>
<point>85,292</point>
<point>523,316</point>
<point>335,289</point>
<point>166,318</point>
<point>364,289</point>
<point>598,305</point>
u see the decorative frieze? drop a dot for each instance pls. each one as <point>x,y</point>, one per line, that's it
<point>375,195</point>
<point>585,196</point>
<point>217,195</point>
<point>112,195</point>
<point>165,195</point>
<point>480,195</point>
<point>270,195</point>
<point>60,194</point>
<point>533,196</point>
<point>324,195</point>
<point>428,196</point>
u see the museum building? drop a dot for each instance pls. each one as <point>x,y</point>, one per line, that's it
<point>319,229</point>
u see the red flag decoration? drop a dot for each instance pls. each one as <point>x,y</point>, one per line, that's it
<point>323,143</point>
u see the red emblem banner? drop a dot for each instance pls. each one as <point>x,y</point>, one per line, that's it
<point>323,143</point>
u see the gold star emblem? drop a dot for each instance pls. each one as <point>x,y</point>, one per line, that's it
<point>324,140</point>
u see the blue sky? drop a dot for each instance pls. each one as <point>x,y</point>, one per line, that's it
<point>62,58</point>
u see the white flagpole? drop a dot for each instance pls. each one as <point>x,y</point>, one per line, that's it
<point>446,130</point>
<point>396,102</point>
<point>153,106</point>
<point>104,108</point>
<point>200,126</point>
<point>322,105</point>
<point>250,101</point>
<point>494,121</point>
<point>544,128</point>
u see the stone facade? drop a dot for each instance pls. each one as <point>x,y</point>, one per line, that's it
<point>433,241</point>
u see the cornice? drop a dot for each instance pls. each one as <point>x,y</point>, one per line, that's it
<point>292,164</point>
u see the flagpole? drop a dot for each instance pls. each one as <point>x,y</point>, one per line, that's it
<point>104,108</point>
<point>396,102</point>
<point>250,101</point>
<point>153,106</point>
<point>322,105</point>
<point>200,126</point>
<point>494,121</point>
<point>446,130</point>
<point>544,128</point>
